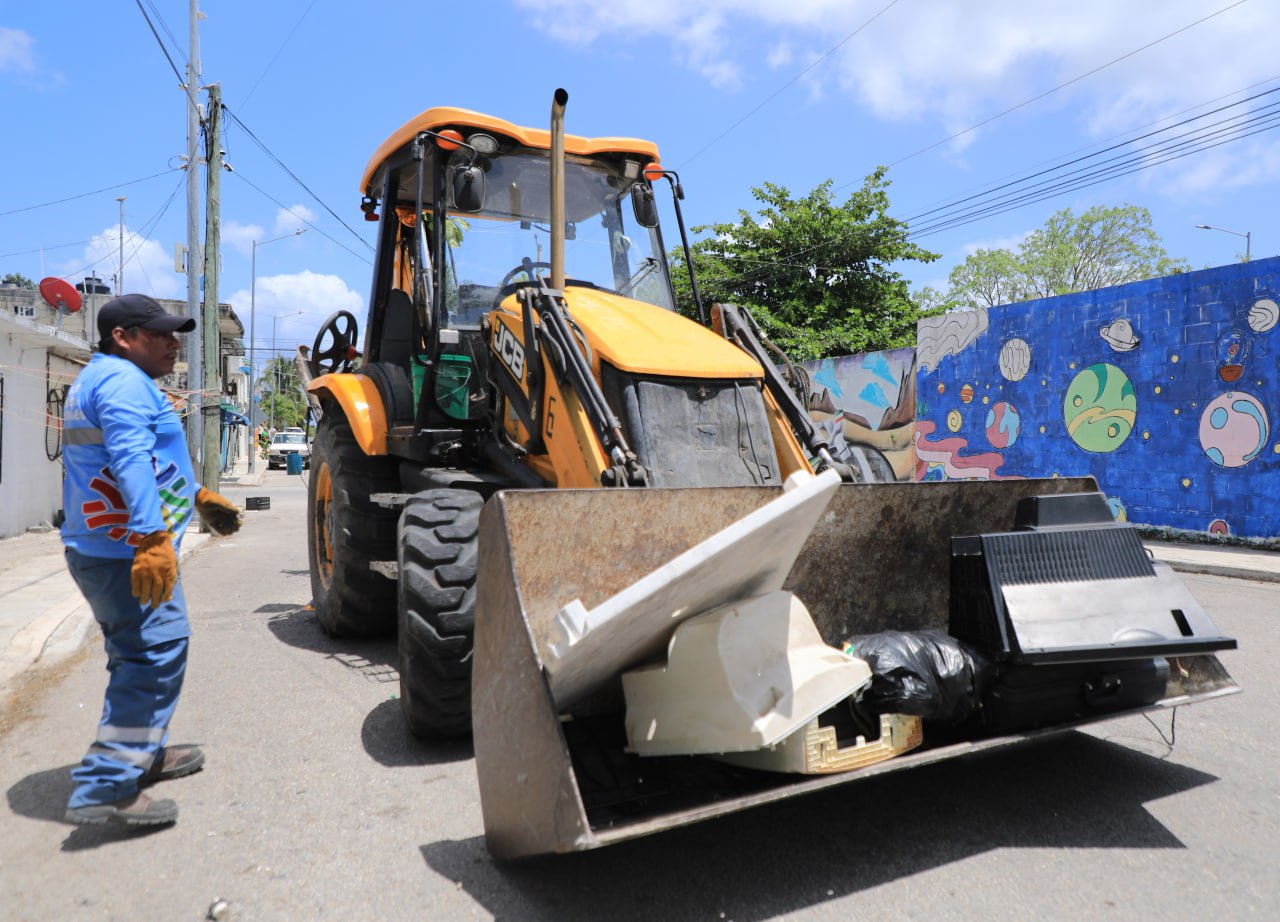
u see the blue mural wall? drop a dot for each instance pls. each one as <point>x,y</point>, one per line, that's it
<point>1166,391</point>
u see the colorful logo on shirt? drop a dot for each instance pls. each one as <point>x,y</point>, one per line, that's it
<point>111,513</point>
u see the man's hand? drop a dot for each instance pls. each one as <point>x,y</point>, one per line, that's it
<point>219,513</point>
<point>155,569</point>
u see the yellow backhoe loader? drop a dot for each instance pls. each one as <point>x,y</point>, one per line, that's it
<point>613,545</point>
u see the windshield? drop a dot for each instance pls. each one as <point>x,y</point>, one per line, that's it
<point>604,247</point>
<point>291,438</point>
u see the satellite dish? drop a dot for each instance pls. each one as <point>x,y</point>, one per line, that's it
<point>60,294</point>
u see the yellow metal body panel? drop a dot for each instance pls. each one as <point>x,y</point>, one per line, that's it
<point>791,455</point>
<point>361,403</point>
<point>442,117</point>
<point>640,338</point>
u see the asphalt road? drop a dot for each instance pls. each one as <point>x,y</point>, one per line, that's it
<point>316,804</point>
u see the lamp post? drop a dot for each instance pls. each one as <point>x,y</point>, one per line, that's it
<point>1247,235</point>
<point>275,357</point>
<point>253,304</point>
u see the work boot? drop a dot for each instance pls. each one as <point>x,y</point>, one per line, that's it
<point>135,810</point>
<point>173,762</point>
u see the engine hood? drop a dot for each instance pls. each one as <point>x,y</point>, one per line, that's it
<point>642,339</point>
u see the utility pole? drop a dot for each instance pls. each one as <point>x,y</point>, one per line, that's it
<point>211,409</point>
<point>195,364</point>
<point>120,264</point>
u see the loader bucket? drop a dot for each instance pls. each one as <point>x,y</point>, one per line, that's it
<point>555,781</point>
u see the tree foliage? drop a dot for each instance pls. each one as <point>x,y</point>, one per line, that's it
<point>17,278</point>
<point>281,394</point>
<point>816,274</point>
<point>1103,246</point>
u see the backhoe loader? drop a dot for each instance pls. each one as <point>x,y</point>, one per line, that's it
<point>529,431</point>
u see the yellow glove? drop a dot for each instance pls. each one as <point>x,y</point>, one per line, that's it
<point>216,511</point>
<point>155,569</point>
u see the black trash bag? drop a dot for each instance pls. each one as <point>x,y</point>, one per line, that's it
<point>926,673</point>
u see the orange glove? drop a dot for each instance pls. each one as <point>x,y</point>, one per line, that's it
<point>216,511</point>
<point>155,569</point>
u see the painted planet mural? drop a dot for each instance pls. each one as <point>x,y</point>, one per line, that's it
<point>1263,315</point>
<point>1003,424</point>
<point>1099,408</point>
<point>1233,429</point>
<point>1015,359</point>
<point>954,420</point>
<point>966,394</point>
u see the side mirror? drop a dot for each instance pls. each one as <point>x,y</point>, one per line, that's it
<point>468,188</point>
<point>643,204</point>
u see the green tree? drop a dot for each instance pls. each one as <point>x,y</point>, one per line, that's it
<point>281,394</point>
<point>817,275</point>
<point>17,278</point>
<point>1104,246</point>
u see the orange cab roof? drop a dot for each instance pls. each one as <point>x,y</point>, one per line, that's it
<point>448,117</point>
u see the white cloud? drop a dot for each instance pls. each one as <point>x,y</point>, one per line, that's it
<point>290,219</point>
<point>955,63</point>
<point>1011,242</point>
<point>1212,171</point>
<point>301,301</point>
<point>148,267</point>
<point>780,56</point>
<point>240,237</point>
<point>16,51</point>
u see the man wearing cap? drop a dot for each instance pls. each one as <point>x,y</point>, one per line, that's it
<point>128,496</point>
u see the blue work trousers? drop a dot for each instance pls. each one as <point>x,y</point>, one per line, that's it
<point>146,658</point>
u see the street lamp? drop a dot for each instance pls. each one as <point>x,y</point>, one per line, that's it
<point>253,326</point>
<point>1246,235</point>
<point>276,358</point>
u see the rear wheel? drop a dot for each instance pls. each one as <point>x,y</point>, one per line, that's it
<point>346,531</point>
<point>437,601</point>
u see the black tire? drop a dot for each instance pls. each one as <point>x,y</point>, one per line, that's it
<point>437,605</point>
<point>346,530</point>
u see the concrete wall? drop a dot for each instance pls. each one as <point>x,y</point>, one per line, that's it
<point>34,361</point>
<point>1166,391</point>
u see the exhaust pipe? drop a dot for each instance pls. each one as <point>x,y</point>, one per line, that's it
<point>557,188</point>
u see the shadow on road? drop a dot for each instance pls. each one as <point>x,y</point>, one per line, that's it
<point>1073,791</point>
<point>43,796</point>
<point>298,627</point>
<point>387,739</point>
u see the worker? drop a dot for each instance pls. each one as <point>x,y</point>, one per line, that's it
<point>128,496</point>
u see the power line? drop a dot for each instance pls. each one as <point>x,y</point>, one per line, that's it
<point>776,93</point>
<point>320,231</point>
<point>248,95</point>
<point>167,31</point>
<point>143,235</point>
<point>990,192</point>
<point>72,198</point>
<point>159,40</point>
<point>1061,86</point>
<point>295,178</point>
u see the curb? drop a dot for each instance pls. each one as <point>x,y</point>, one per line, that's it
<point>1215,569</point>
<point>60,629</point>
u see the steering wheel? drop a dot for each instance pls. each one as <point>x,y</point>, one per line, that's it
<point>527,268</point>
<point>328,357</point>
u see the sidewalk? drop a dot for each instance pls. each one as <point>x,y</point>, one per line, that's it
<point>43,616</point>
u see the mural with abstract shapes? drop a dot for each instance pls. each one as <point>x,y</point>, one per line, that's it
<point>866,406</point>
<point>1165,391</point>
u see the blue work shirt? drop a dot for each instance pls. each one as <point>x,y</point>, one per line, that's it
<point>128,473</point>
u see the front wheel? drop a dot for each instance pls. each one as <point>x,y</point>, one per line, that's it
<point>437,603</point>
<point>346,531</point>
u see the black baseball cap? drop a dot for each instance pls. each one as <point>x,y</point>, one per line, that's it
<point>135,310</point>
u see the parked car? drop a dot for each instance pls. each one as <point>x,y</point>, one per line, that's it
<point>286,443</point>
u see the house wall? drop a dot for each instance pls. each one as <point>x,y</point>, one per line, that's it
<point>33,367</point>
<point>1166,391</point>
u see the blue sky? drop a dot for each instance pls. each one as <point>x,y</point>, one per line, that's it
<point>734,92</point>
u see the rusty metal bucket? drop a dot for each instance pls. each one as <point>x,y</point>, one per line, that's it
<point>879,559</point>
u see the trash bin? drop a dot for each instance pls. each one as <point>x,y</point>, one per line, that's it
<point>293,464</point>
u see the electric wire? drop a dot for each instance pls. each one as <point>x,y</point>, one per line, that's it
<point>143,234</point>
<point>776,93</point>
<point>181,81</point>
<point>72,198</point>
<point>280,163</point>
<point>1061,86</point>
<point>240,173</point>
<point>244,102</point>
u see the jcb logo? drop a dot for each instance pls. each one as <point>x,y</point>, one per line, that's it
<point>510,351</point>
